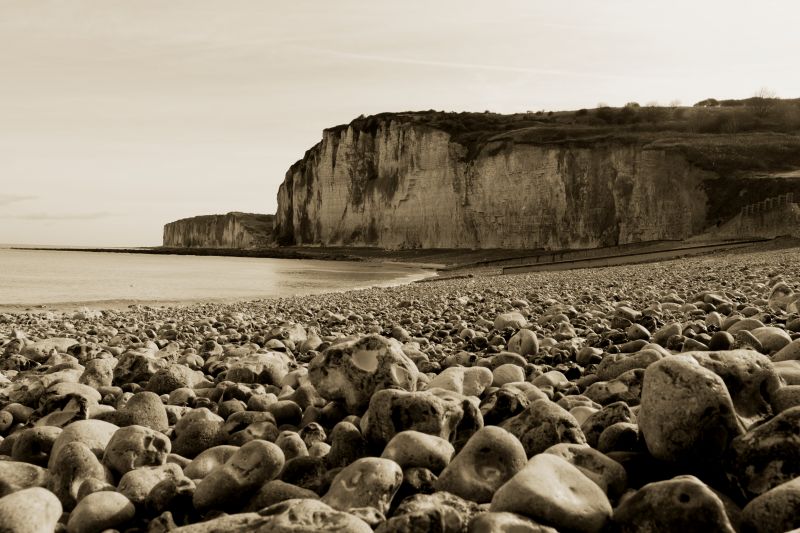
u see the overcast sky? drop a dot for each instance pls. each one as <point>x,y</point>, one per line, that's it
<point>117,116</point>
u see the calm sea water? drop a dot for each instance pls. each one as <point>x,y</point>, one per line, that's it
<point>30,277</point>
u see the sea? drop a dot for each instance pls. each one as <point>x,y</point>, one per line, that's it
<point>49,278</point>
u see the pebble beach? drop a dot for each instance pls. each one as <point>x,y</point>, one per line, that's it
<point>651,397</point>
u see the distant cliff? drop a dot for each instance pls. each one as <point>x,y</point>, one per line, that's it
<point>233,230</point>
<point>417,181</point>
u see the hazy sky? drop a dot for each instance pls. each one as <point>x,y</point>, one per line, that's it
<point>117,116</point>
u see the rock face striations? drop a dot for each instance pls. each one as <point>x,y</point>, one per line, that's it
<point>233,230</point>
<point>401,181</point>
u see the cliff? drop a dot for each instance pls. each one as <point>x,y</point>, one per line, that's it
<point>232,230</point>
<point>417,180</point>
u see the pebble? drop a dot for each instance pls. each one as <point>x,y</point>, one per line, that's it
<point>134,446</point>
<point>31,510</point>
<point>369,482</point>
<point>469,381</point>
<point>555,493</point>
<point>542,425</point>
<point>778,509</point>
<point>100,511</point>
<point>489,458</point>
<point>411,449</point>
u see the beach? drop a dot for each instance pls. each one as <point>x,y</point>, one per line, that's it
<point>620,396</point>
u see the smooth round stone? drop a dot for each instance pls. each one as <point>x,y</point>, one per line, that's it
<point>771,338</point>
<point>785,398</point>
<point>291,444</point>
<point>626,388</point>
<point>368,482</point>
<point>507,373</point>
<point>745,324</point>
<point>15,475</point>
<point>470,381</point>
<point>134,446</point>
<point>98,373</point>
<point>94,433</point>
<point>621,437</point>
<point>137,484</point>
<point>352,371</point>
<point>144,409</point>
<point>542,425</point>
<point>614,365</point>
<point>290,516</point>
<point>33,445</point>
<point>75,465</point>
<point>248,468</point>
<point>553,492</point>
<point>683,503</point>
<point>411,449</point>
<point>100,511</point>
<point>506,523</point>
<point>175,376</point>
<point>790,352</point>
<point>513,320</point>
<point>778,509</point>
<point>208,460</point>
<point>612,413</point>
<point>196,431</point>
<point>721,340</point>
<point>789,371</point>
<point>582,413</point>
<point>686,412</point>
<point>276,491</point>
<point>608,474</point>
<point>490,458</point>
<point>524,342</point>
<point>32,510</point>
<point>767,455</point>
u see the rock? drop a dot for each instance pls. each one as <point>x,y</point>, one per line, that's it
<point>291,445</point>
<point>767,455</point>
<point>143,409</point>
<point>553,492</point>
<point>490,458</point>
<point>785,398</point>
<point>269,368</point>
<point>469,381</point>
<point>445,414</point>
<point>524,342</point>
<point>771,338</point>
<point>290,516</point>
<point>306,472</point>
<point>597,422</point>
<point>441,511</point>
<point>95,434</point>
<point>208,460</point>
<point>352,371</point>
<point>15,476</point>
<point>137,484</point>
<point>613,365</point>
<point>276,491</point>
<point>686,412</point>
<point>542,425</point>
<point>39,351</point>
<point>503,403</point>
<point>506,523</point>
<point>411,449</point>
<point>247,469</point>
<point>507,373</point>
<point>134,446</point>
<point>33,445</point>
<point>136,366</point>
<point>626,387</point>
<point>681,504</point>
<point>749,377</point>
<point>75,464</point>
<point>790,352</point>
<point>174,376</point>
<point>775,510</point>
<point>31,510</point>
<point>196,431</point>
<point>368,482</point>
<point>608,474</point>
<point>347,445</point>
<point>98,373</point>
<point>172,495</point>
<point>512,320</point>
<point>100,511</point>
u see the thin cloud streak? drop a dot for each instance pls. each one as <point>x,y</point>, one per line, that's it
<point>7,199</point>
<point>55,216</point>
<point>475,66</point>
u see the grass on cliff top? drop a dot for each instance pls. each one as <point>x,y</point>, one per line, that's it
<point>717,135</point>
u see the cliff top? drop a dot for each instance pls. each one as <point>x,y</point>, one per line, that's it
<point>254,221</point>
<point>752,135</point>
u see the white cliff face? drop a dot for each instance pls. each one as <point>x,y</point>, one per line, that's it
<point>233,230</point>
<point>409,186</point>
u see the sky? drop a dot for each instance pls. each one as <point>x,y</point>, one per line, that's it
<point>118,116</point>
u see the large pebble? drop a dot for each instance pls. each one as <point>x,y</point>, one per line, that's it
<point>134,446</point>
<point>778,509</point>
<point>440,511</point>
<point>367,483</point>
<point>411,449</point>
<point>32,510</point>
<point>552,491</point>
<point>542,425</point>
<point>100,511</point>
<point>15,475</point>
<point>353,371</point>
<point>470,381</point>
<point>490,458</point>
<point>608,474</point>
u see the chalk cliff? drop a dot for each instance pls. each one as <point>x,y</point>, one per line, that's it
<point>398,183</point>
<point>232,230</point>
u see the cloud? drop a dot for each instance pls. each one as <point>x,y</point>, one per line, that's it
<point>56,216</point>
<point>6,199</point>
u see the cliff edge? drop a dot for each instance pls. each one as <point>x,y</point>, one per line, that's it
<point>446,180</point>
<point>232,230</point>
